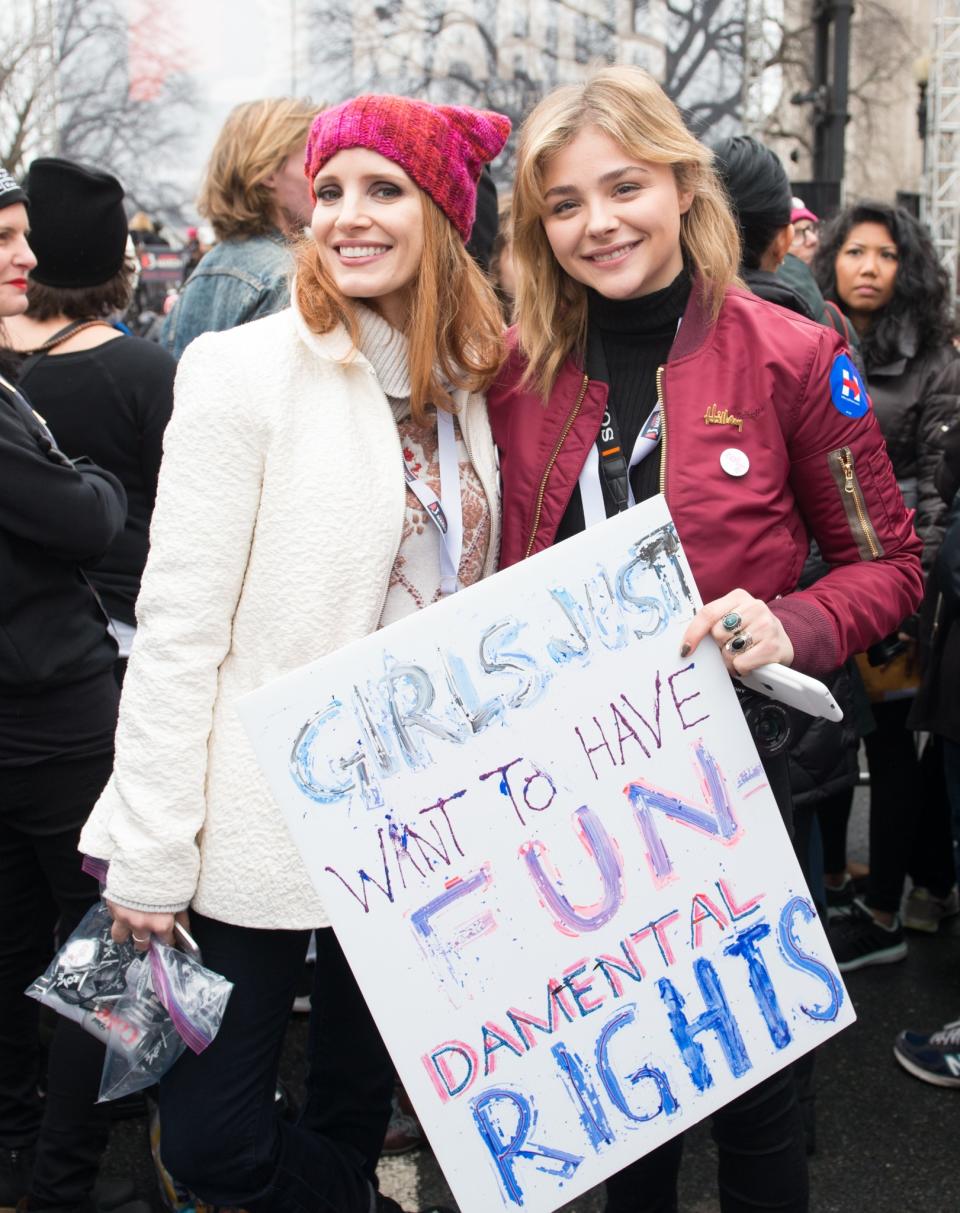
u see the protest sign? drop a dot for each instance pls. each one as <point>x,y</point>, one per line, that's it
<point>550,852</point>
<point>161,265</point>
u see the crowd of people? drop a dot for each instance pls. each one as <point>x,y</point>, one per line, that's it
<point>369,307</point>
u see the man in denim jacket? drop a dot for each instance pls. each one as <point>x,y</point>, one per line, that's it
<point>257,200</point>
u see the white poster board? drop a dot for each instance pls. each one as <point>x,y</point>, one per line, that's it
<point>551,855</point>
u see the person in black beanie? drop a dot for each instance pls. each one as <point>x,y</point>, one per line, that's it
<point>58,703</point>
<point>760,197</point>
<point>761,200</point>
<point>105,394</point>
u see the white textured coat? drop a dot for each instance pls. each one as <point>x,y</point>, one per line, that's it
<point>279,515</point>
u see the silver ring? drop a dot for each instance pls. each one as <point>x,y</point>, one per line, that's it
<point>732,622</point>
<point>137,939</point>
<point>740,642</point>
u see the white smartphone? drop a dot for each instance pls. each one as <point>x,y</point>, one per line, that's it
<point>185,941</point>
<point>796,690</point>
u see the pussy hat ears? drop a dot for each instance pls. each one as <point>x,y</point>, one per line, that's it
<point>443,148</point>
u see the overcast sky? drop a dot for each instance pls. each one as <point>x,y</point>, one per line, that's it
<point>240,50</point>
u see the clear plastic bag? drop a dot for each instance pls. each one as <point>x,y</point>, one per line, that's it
<point>146,1007</point>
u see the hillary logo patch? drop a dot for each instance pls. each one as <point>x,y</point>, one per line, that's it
<point>847,391</point>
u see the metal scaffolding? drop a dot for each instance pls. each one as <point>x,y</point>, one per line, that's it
<point>763,32</point>
<point>754,62</point>
<point>941,195</point>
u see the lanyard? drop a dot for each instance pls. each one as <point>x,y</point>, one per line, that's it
<point>605,462</point>
<point>445,511</point>
<point>591,489</point>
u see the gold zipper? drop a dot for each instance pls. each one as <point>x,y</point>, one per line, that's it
<point>568,425</point>
<point>852,486</point>
<point>853,503</point>
<point>663,431</point>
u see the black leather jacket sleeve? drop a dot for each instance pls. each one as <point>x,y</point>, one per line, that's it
<point>939,415</point>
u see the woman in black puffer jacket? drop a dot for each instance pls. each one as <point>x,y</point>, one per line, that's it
<point>878,264</point>
<point>937,706</point>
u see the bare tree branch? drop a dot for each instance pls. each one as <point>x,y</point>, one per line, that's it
<point>78,69</point>
<point>409,49</point>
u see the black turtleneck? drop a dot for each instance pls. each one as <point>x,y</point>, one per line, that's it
<point>627,340</point>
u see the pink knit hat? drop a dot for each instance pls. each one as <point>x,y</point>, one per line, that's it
<point>800,211</point>
<point>443,148</point>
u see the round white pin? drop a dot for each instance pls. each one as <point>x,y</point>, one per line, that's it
<point>734,461</point>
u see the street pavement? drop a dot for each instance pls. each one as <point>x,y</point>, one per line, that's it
<point>886,1143</point>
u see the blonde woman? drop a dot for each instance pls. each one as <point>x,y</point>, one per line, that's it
<point>284,529</point>
<point>256,199</point>
<point>639,366</point>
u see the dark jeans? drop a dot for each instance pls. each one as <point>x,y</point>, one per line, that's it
<point>834,815</point>
<point>354,1113</point>
<point>909,813</point>
<point>221,1135</point>
<point>808,848</point>
<point>759,1136</point>
<point>762,1164</point>
<point>42,808</point>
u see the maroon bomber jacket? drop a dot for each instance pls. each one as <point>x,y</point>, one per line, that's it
<point>757,380</point>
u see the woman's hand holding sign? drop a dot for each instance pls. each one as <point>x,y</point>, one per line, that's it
<point>747,632</point>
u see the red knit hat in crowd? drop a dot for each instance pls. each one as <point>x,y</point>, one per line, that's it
<point>443,148</point>
<point>800,211</point>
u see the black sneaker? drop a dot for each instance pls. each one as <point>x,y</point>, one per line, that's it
<point>840,901</point>
<point>934,1058</point>
<point>858,940</point>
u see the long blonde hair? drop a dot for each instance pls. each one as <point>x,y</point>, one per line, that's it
<point>256,139</point>
<point>455,328</point>
<point>628,105</point>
